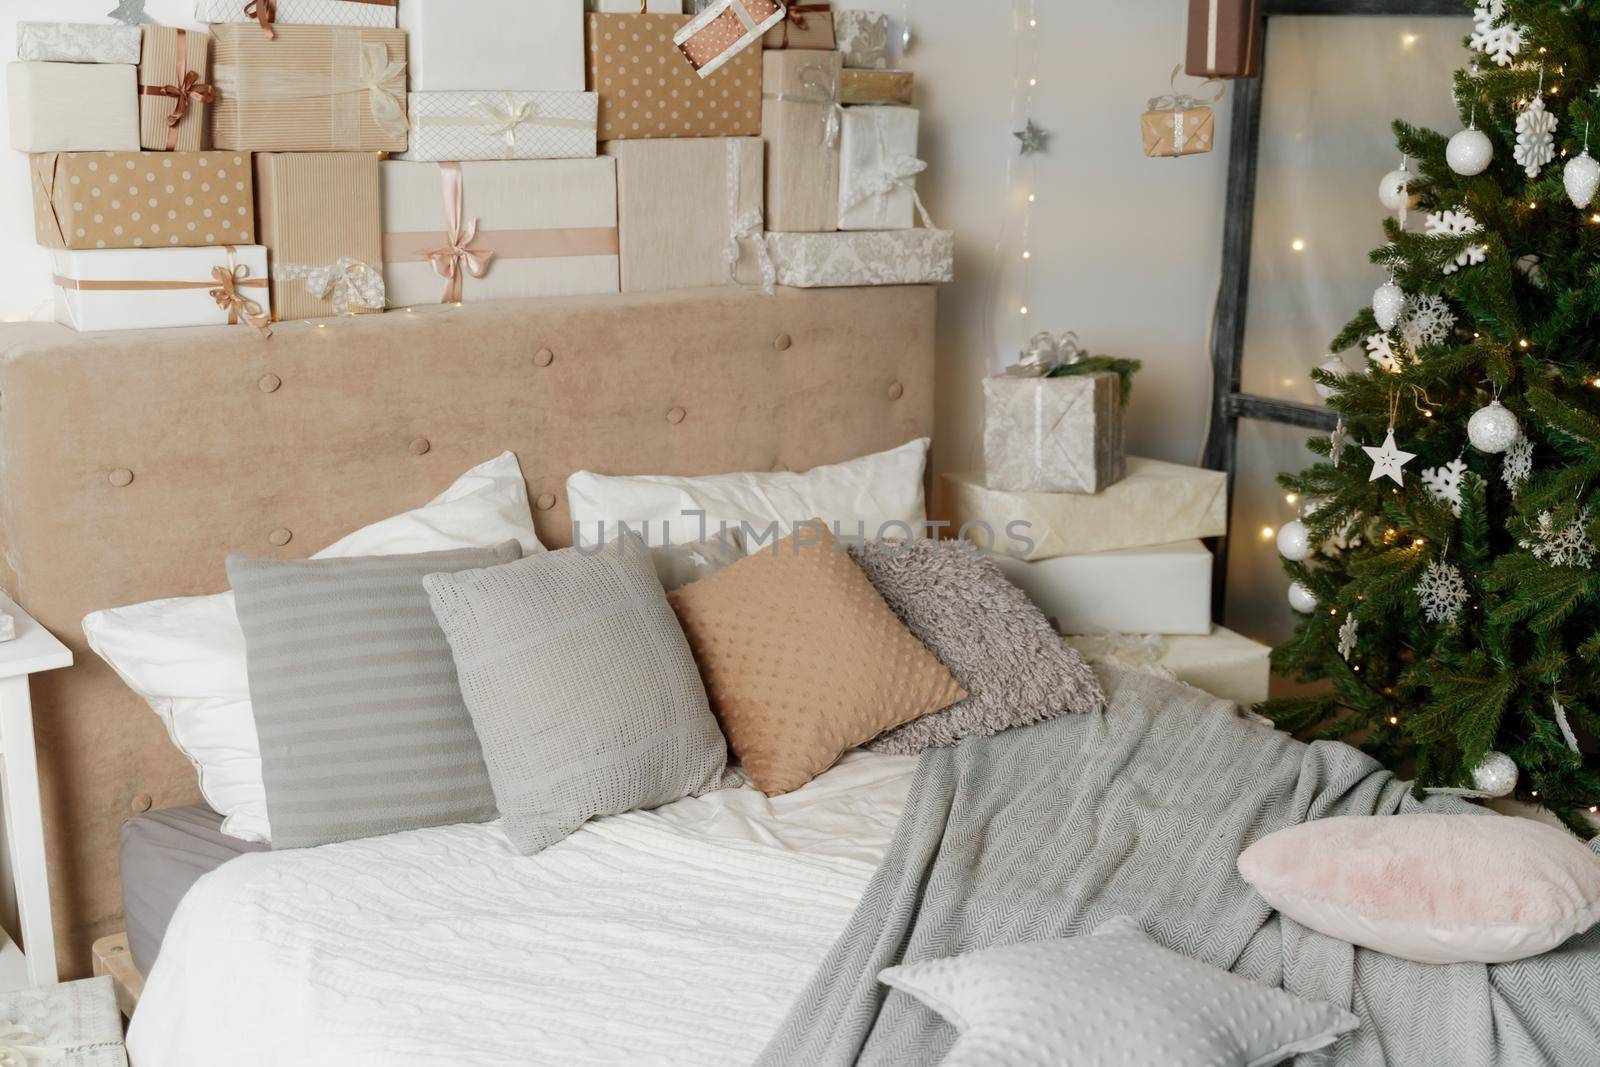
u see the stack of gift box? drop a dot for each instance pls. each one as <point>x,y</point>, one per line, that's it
<point>1109,546</point>
<point>308,158</point>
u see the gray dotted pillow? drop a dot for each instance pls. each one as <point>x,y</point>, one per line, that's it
<point>1114,996</point>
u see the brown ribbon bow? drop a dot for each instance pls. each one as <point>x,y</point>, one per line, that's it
<point>190,86</point>
<point>797,14</point>
<point>264,12</point>
<point>230,299</point>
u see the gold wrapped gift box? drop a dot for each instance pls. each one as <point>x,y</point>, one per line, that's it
<point>875,86</point>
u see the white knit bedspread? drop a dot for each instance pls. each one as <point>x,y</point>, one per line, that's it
<point>678,936</point>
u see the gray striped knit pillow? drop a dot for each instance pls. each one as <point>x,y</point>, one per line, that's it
<point>357,709</point>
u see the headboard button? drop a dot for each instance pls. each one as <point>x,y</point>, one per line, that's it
<point>141,803</point>
<point>782,342</point>
<point>269,383</point>
<point>120,477</point>
<point>676,415</point>
<point>546,501</point>
<point>779,468</point>
<point>544,357</point>
<point>896,391</point>
<point>280,537</point>
<point>419,446</point>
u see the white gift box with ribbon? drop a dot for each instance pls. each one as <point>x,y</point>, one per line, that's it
<point>138,288</point>
<point>499,44</point>
<point>502,125</point>
<point>878,168</point>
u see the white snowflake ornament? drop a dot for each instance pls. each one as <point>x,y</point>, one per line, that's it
<point>1428,321</point>
<point>1499,43</point>
<point>1347,636</point>
<point>1442,592</point>
<point>1568,546</point>
<point>1517,467</point>
<point>1444,483</point>
<point>1456,224</point>
<point>1536,142</point>
<point>1337,440</point>
<point>1381,352</point>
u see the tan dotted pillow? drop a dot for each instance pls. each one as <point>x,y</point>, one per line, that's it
<point>648,89</point>
<point>802,660</point>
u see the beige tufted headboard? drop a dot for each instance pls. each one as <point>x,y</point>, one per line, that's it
<point>132,463</point>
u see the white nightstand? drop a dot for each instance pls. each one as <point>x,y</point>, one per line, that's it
<point>33,649</point>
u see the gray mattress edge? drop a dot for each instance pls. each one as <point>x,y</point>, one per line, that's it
<point>164,853</point>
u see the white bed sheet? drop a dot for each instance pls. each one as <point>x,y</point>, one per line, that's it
<point>679,935</point>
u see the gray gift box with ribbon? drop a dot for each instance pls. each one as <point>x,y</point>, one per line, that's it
<point>1045,434</point>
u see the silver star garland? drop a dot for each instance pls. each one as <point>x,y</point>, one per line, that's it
<point>131,12</point>
<point>1033,139</point>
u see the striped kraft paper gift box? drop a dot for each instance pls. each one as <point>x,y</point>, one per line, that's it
<point>501,125</point>
<point>309,89</point>
<point>454,232</point>
<point>319,218</point>
<point>173,94</point>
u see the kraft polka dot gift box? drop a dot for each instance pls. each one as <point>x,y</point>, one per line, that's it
<point>143,199</point>
<point>649,90</point>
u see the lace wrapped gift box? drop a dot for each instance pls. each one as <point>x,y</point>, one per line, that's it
<point>137,288</point>
<point>173,94</point>
<point>321,223</point>
<point>73,107</point>
<point>74,1024</point>
<point>800,120</point>
<point>501,125</point>
<point>631,7</point>
<point>104,199</point>
<point>524,45</point>
<point>1155,503</point>
<point>496,230</point>
<point>648,91</point>
<point>689,211</point>
<point>863,37</point>
<point>373,14</point>
<point>1052,435</point>
<point>878,168</point>
<point>888,257</point>
<point>309,89</point>
<point>78,42</point>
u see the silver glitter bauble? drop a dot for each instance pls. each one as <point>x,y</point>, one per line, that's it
<point>1493,428</point>
<point>1469,152</point>
<point>1582,178</point>
<point>1334,366</point>
<point>1495,774</point>
<point>1392,189</point>
<point>1388,303</point>
<point>1302,599</point>
<point>1294,540</point>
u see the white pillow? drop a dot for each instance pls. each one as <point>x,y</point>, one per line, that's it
<point>882,491</point>
<point>186,655</point>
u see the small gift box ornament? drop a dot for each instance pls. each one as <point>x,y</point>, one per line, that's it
<point>725,29</point>
<point>807,26</point>
<point>1053,420</point>
<point>173,94</point>
<point>1179,124</point>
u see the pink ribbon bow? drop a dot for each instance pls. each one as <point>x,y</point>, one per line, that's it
<point>457,254</point>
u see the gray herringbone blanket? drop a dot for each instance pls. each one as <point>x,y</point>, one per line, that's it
<point>1049,830</point>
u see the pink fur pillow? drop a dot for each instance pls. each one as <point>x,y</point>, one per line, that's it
<point>1431,888</point>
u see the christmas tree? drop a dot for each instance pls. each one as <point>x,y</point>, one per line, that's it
<point>1444,559</point>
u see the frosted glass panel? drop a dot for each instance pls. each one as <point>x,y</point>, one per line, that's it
<point>1332,86</point>
<point>1257,588</point>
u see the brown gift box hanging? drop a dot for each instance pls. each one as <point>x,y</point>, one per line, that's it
<point>648,90</point>
<point>173,94</point>
<point>1179,124</point>
<point>808,26</point>
<point>1224,39</point>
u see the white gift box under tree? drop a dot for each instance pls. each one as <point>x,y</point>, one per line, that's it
<point>878,166</point>
<point>1053,435</point>
<point>1158,589</point>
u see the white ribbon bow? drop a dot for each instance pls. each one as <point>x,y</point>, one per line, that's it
<point>504,120</point>
<point>376,68</point>
<point>897,172</point>
<point>750,225</point>
<point>20,1046</point>
<point>347,283</point>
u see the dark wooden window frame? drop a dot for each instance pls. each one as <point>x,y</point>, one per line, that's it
<point>1229,405</point>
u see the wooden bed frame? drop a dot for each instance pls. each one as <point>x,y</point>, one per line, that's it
<point>132,463</point>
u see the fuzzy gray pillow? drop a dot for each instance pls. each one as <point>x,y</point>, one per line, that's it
<point>1000,648</point>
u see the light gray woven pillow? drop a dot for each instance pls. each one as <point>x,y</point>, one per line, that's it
<point>359,718</point>
<point>580,682</point>
<point>1114,996</point>
<point>998,645</point>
